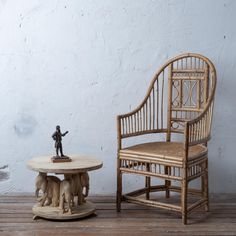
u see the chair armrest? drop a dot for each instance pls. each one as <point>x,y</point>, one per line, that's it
<point>127,124</point>
<point>198,130</point>
<point>138,122</point>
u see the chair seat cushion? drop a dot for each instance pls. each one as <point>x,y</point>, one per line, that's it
<point>165,150</point>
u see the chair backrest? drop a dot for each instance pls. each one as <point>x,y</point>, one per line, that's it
<point>191,86</point>
<point>180,91</point>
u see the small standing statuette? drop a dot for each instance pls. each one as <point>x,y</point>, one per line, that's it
<point>57,137</point>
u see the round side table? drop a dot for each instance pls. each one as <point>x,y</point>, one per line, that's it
<point>63,199</point>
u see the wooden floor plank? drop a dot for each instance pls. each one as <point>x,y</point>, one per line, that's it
<point>16,219</point>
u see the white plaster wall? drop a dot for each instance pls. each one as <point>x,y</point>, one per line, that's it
<point>79,63</point>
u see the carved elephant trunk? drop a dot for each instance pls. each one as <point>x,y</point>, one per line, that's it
<point>41,184</point>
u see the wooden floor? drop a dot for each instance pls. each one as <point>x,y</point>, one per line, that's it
<point>16,219</point>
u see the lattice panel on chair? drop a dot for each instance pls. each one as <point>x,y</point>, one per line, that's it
<point>150,169</point>
<point>197,169</point>
<point>189,81</point>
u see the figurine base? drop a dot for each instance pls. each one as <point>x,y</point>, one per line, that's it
<point>57,159</point>
<point>55,213</point>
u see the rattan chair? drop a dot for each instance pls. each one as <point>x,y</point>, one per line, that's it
<point>179,101</point>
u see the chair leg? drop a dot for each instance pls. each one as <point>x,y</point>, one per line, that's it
<point>119,190</point>
<point>205,188</point>
<point>147,185</point>
<point>184,192</point>
<point>167,182</point>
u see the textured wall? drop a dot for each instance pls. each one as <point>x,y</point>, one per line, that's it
<point>79,63</point>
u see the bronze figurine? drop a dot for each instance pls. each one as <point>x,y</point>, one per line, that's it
<point>57,136</point>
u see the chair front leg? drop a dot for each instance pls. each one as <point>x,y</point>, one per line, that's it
<point>205,189</point>
<point>184,194</point>
<point>119,190</point>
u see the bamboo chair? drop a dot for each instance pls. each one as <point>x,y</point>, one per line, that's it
<point>179,101</point>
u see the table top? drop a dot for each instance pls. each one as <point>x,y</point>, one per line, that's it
<point>77,165</point>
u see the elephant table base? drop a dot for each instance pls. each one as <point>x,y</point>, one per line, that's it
<point>55,213</point>
<point>63,199</point>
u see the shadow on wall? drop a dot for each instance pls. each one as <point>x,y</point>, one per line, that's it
<point>25,125</point>
<point>4,173</point>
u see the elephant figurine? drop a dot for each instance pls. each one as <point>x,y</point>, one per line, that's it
<point>79,183</point>
<point>66,196</point>
<point>76,188</point>
<point>41,184</point>
<point>73,185</point>
<point>50,186</point>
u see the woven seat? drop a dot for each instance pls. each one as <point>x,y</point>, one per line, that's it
<point>164,150</point>
<point>179,101</point>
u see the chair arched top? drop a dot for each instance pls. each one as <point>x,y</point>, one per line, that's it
<point>168,63</point>
<point>179,57</point>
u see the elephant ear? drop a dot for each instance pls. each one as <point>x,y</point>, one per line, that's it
<point>44,186</point>
<point>84,179</point>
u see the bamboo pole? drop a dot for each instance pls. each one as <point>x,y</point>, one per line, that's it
<point>168,135</point>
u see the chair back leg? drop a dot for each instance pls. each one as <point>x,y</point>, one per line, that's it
<point>167,182</point>
<point>148,183</point>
